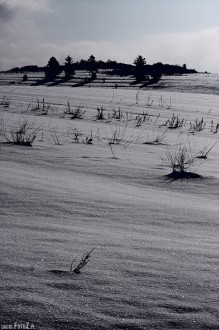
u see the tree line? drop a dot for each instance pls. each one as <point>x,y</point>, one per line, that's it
<point>139,68</point>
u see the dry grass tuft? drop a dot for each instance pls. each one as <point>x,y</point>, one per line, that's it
<point>83,262</point>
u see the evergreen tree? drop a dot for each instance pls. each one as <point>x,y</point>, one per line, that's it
<point>69,67</point>
<point>92,64</point>
<point>53,68</point>
<point>139,63</point>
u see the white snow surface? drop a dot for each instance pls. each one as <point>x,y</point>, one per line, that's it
<point>155,262</point>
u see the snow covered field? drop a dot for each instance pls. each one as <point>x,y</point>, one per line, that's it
<point>155,262</point>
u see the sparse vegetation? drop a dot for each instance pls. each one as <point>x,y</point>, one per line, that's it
<point>137,97</point>
<point>77,113</point>
<point>149,101</point>
<point>181,159</point>
<point>205,151</point>
<point>2,127</point>
<point>55,136</point>
<point>100,113</point>
<point>5,102</point>
<point>198,125</point>
<point>175,122</point>
<point>156,138</point>
<point>214,127</point>
<point>90,183</point>
<point>41,107</point>
<point>163,103</point>
<point>23,135</point>
<point>83,262</point>
<point>89,139</point>
<point>76,135</point>
<point>118,135</point>
<point>142,118</point>
<point>117,114</point>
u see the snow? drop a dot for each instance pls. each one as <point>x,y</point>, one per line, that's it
<point>155,263</point>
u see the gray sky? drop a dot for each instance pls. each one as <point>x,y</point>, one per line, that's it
<point>168,31</point>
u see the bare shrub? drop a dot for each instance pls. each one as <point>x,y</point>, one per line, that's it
<point>24,134</point>
<point>77,113</point>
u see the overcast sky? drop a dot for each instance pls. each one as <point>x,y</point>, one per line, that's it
<point>167,31</point>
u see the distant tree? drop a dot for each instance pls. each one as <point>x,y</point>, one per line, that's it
<point>82,64</point>
<point>92,64</point>
<point>111,64</point>
<point>139,63</point>
<point>184,68</point>
<point>25,77</point>
<point>69,67</point>
<point>15,70</point>
<point>92,59</point>
<point>100,64</point>
<point>53,68</point>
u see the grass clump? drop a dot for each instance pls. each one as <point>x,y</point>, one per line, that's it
<point>5,102</point>
<point>23,135</point>
<point>181,159</point>
<point>142,118</point>
<point>117,114</point>
<point>214,127</point>
<point>174,122</point>
<point>100,113</point>
<point>82,263</point>
<point>198,125</point>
